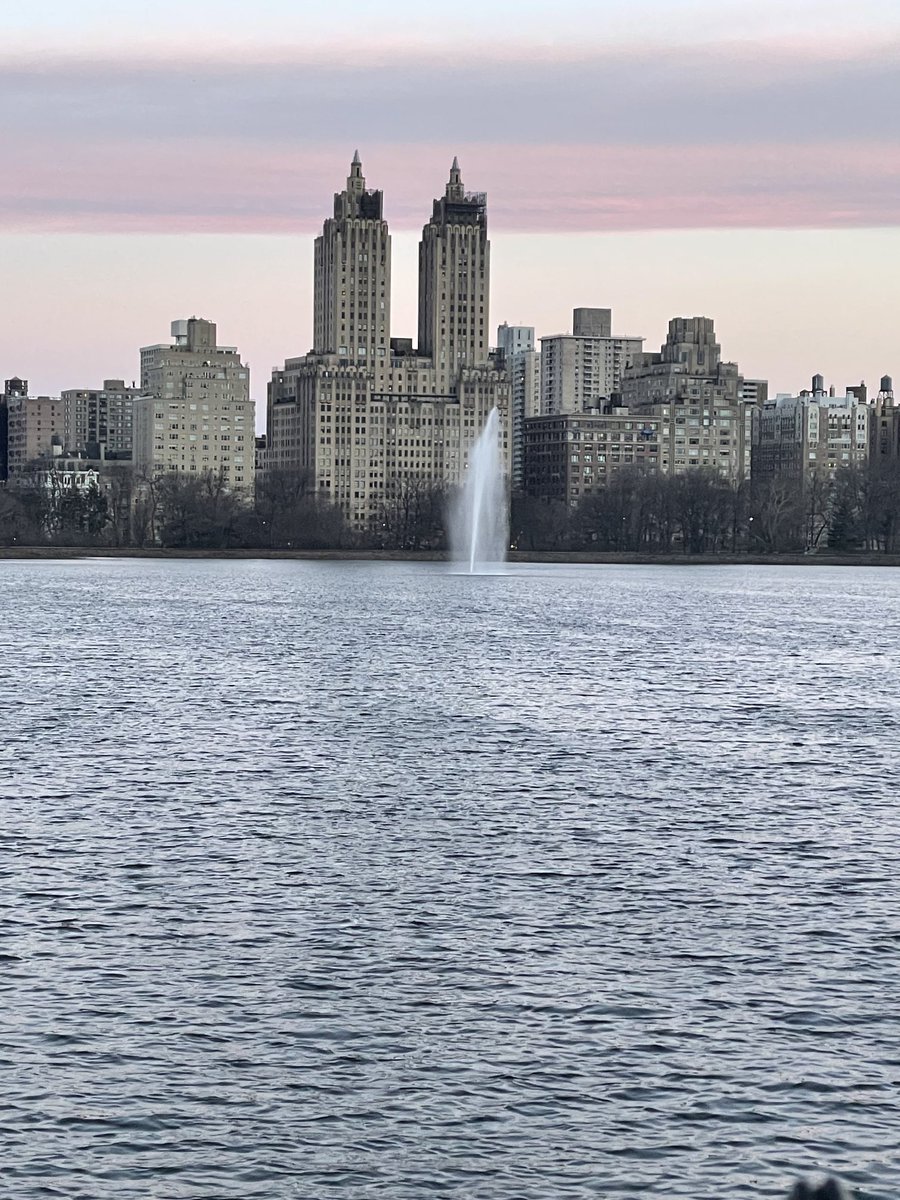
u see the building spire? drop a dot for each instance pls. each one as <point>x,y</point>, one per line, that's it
<point>455,186</point>
<point>355,180</point>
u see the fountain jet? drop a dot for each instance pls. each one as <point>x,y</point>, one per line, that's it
<point>479,526</point>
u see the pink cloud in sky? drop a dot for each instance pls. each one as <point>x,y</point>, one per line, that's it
<point>610,138</point>
<point>393,49</point>
<point>221,186</point>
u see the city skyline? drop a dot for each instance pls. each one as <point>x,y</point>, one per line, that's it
<point>748,178</point>
<point>104,336</point>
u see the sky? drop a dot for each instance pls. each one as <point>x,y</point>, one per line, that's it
<point>738,159</point>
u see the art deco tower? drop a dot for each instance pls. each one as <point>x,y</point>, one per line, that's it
<point>454,282</point>
<point>372,419</point>
<point>352,300</point>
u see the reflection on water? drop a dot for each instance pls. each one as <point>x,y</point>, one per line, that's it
<point>377,880</point>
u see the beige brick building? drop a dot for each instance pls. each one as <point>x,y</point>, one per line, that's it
<point>33,421</point>
<point>100,417</point>
<point>584,369</point>
<point>79,420</point>
<point>195,414</point>
<point>706,421</point>
<point>811,435</point>
<point>366,413</point>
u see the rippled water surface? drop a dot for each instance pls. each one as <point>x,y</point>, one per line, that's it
<point>375,880</point>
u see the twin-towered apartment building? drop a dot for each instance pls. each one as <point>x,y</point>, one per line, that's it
<point>368,415</point>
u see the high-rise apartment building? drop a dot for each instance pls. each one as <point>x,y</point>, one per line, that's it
<point>810,435</point>
<point>367,414</point>
<point>523,365</point>
<point>32,424</point>
<point>92,423</point>
<point>100,418</point>
<point>195,414</point>
<point>706,422</point>
<point>352,276</point>
<point>454,278</point>
<point>583,369</point>
<point>571,455</point>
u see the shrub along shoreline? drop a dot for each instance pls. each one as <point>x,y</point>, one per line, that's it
<point>560,557</point>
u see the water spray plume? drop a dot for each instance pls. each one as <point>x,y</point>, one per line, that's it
<point>480,521</point>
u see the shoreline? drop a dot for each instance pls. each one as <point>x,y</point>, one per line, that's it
<point>572,558</point>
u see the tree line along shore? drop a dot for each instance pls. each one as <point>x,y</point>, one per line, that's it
<point>638,516</point>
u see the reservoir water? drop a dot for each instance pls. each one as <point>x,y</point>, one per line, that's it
<point>376,880</point>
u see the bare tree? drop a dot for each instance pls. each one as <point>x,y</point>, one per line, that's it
<point>198,511</point>
<point>537,524</point>
<point>818,498</point>
<point>776,515</point>
<point>289,513</point>
<point>120,494</point>
<point>19,525</point>
<point>702,503</point>
<point>883,506</point>
<point>846,518</point>
<point>413,514</point>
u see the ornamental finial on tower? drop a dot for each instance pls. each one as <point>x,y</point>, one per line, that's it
<point>455,186</point>
<point>355,180</point>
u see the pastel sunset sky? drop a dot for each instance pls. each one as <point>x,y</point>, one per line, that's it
<point>738,159</point>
